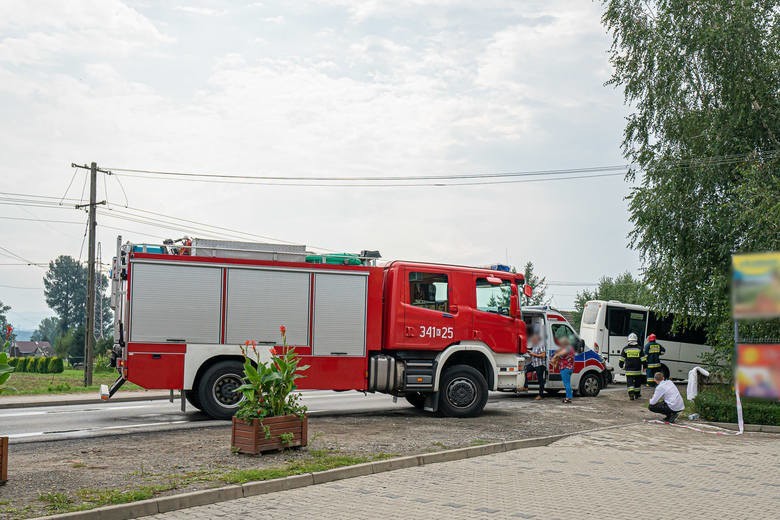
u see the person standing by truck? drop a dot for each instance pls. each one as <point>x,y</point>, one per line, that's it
<point>564,360</point>
<point>632,359</point>
<point>538,355</point>
<point>653,352</point>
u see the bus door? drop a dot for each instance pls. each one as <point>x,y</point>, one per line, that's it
<point>621,322</point>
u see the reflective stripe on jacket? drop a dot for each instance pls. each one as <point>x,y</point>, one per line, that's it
<point>632,358</point>
<point>653,352</point>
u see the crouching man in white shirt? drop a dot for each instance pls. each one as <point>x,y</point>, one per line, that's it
<point>666,399</point>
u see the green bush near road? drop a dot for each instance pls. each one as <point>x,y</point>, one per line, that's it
<point>719,404</point>
<point>38,365</point>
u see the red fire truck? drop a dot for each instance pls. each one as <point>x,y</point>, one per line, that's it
<point>440,336</point>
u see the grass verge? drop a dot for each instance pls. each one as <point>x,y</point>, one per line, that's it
<point>69,381</point>
<point>312,461</point>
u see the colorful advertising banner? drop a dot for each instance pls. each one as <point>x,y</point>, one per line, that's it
<point>755,285</point>
<point>758,370</point>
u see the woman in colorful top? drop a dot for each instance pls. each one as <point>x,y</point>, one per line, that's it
<point>564,359</point>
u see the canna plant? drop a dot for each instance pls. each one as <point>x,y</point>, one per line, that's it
<point>269,385</point>
<point>5,368</point>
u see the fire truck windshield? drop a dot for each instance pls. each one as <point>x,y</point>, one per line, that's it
<point>493,298</point>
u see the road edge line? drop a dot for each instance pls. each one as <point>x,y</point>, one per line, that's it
<point>166,504</point>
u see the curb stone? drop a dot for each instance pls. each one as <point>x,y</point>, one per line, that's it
<point>753,428</point>
<point>169,503</point>
<point>91,400</point>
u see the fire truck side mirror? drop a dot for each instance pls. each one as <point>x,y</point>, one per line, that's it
<point>514,308</point>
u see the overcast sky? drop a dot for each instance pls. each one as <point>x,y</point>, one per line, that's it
<point>307,88</point>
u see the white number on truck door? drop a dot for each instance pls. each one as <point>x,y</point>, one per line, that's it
<point>436,332</point>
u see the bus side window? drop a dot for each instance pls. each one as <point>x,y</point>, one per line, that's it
<point>616,321</point>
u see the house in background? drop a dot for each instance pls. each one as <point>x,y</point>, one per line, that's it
<point>31,349</point>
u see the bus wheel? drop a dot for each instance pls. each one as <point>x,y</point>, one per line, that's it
<point>217,389</point>
<point>463,392</point>
<point>416,399</point>
<point>590,385</point>
<point>192,398</point>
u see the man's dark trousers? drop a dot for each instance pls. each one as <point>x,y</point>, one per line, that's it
<point>662,408</point>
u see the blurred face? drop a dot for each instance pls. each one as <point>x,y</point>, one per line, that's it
<point>535,338</point>
<point>564,342</point>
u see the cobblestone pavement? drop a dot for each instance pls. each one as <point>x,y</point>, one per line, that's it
<point>643,471</point>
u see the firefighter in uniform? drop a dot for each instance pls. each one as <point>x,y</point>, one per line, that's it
<point>632,358</point>
<point>653,353</point>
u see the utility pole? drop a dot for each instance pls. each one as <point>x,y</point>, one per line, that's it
<point>89,343</point>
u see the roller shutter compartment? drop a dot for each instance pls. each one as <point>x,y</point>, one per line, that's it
<point>339,314</point>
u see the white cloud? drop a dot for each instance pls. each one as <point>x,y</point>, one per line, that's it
<point>40,32</point>
<point>473,92</point>
<point>199,10</point>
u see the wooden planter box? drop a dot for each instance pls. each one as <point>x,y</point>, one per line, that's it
<point>250,437</point>
<point>3,460</point>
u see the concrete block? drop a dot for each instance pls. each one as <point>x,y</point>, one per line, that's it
<point>358,470</point>
<point>117,512</point>
<point>298,481</point>
<point>380,466</point>
<point>533,442</point>
<point>199,498</point>
<point>444,456</point>
<point>264,486</point>
<point>485,449</point>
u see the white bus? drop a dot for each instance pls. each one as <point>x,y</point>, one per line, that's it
<point>605,327</point>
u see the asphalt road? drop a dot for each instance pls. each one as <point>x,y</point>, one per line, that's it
<point>98,419</point>
<point>101,419</point>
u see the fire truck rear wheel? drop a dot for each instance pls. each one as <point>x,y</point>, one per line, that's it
<point>217,389</point>
<point>463,392</point>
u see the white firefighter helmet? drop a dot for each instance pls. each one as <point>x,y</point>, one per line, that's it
<point>632,339</point>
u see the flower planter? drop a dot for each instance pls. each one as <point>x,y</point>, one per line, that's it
<point>253,437</point>
<point>3,460</point>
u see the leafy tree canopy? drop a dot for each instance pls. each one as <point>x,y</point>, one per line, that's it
<point>538,283</point>
<point>65,288</point>
<point>4,321</point>
<point>48,330</point>
<point>703,81</point>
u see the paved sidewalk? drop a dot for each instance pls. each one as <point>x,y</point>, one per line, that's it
<point>607,474</point>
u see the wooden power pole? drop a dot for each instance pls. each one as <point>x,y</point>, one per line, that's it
<point>89,343</point>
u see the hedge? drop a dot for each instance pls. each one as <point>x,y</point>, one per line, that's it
<point>39,365</point>
<point>720,405</point>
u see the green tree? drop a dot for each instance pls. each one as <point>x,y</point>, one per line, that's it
<point>65,288</point>
<point>70,345</point>
<point>624,288</point>
<point>539,285</point>
<point>4,322</point>
<point>48,330</point>
<point>703,81</point>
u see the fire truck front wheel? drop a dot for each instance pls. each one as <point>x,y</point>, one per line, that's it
<point>463,392</point>
<point>192,398</point>
<point>217,389</point>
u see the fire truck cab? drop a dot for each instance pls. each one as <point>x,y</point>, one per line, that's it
<point>440,336</point>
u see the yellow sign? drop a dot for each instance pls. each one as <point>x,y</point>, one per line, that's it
<point>756,285</point>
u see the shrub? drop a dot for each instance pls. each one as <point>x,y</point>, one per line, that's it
<point>719,404</point>
<point>102,363</point>
<point>42,365</point>
<point>56,366</point>
<point>21,364</point>
<point>13,361</point>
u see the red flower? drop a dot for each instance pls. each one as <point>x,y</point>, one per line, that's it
<point>283,330</point>
<point>8,330</point>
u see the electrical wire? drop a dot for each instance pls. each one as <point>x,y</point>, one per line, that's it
<point>707,161</point>
<point>382,185</point>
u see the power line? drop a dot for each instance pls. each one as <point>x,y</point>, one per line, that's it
<point>22,288</point>
<point>688,162</point>
<point>530,173</point>
<point>42,220</point>
<point>382,185</point>
<point>13,255</point>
